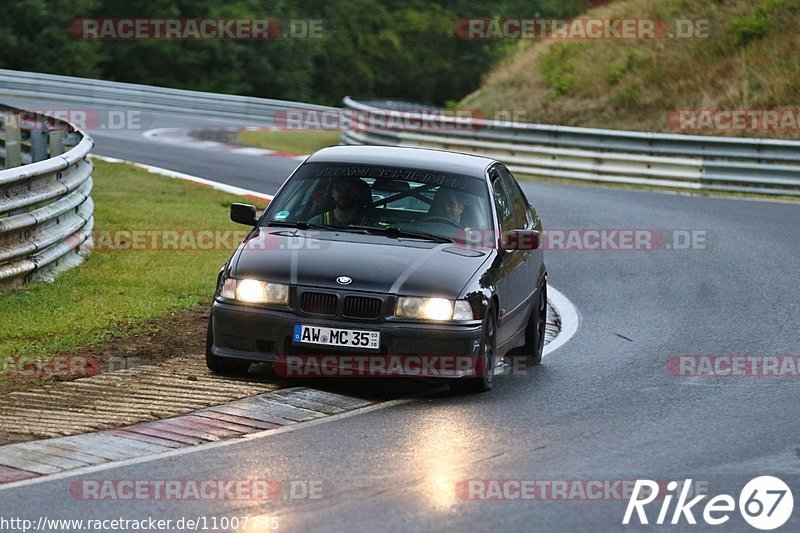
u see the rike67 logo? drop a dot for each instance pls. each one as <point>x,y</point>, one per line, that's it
<point>765,503</point>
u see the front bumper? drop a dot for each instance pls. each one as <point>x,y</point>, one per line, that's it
<point>265,335</point>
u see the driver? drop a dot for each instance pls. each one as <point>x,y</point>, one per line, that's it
<point>346,195</point>
<point>449,204</point>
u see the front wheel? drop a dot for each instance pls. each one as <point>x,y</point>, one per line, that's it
<point>222,365</point>
<point>531,352</point>
<point>486,361</point>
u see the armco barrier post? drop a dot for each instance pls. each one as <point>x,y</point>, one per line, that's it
<point>38,145</point>
<point>13,142</point>
<point>56,142</point>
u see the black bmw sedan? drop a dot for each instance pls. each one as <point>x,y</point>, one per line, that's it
<point>385,261</point>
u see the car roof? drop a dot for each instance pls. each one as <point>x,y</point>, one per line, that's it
<point>403,157</point>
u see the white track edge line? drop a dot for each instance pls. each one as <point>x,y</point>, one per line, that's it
<point>188,177</point>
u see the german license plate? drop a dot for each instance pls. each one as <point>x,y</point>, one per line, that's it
<point>350,338</point>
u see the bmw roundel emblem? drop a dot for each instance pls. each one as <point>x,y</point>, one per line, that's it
<point>344,280</point>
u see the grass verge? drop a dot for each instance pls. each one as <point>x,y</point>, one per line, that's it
<point>298,142</point>
<point>126,284</point>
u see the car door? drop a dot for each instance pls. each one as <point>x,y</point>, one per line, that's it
<point>512,269</point>
<point>532,259</point>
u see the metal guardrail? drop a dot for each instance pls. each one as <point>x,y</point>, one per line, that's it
<point>703,163</point>
<point>46,211</point>
<point>145,97</point>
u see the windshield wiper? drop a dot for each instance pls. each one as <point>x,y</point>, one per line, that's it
<point>308,225</point>
<point>394,231</point>
<point>298,225</point>
<point>391,231</point>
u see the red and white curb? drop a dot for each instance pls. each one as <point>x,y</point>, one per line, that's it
<point>261,413</point>
<point>183,137</point>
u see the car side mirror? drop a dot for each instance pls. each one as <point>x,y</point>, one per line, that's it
<point>244,214</point>
<point>520,239</point>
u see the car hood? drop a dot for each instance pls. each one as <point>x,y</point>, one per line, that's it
<point>374,263</point>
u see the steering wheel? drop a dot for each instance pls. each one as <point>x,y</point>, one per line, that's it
<point>442,220</point>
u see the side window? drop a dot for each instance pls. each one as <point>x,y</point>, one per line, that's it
<point>520,205</point>
<point>505,212</point>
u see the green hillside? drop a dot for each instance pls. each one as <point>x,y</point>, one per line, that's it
<point>749,60</point>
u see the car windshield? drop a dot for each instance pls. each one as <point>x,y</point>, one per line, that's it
<point>360,196</point>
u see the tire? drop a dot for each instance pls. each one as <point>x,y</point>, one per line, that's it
<point>531,353</point>
<point>223,365</point>
<point>486,364</point>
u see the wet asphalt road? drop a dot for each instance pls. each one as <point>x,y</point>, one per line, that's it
<point>602,407</point>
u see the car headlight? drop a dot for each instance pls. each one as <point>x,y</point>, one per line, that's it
<point>433,308</point>
<point>255,291</point>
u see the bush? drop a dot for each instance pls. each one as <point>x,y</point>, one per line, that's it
<point>557,66</point>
